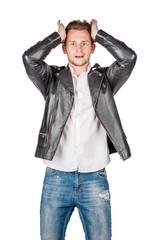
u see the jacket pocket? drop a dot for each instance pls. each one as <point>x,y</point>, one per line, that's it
<point>42,140</point>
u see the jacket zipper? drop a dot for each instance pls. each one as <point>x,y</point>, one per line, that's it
<point>43,134</point>
<point>99,91</point>
<point>56,101</point>
<point>99,118</point>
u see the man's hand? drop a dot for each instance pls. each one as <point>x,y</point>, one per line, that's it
<point>61,31</point>
<point>94,29</point>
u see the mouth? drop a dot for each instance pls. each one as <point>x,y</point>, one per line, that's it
<point>79,56</point>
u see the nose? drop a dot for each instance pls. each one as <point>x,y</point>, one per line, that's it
<point>79,47</point>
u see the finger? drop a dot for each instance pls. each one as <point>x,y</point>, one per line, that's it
<point>94,21</point>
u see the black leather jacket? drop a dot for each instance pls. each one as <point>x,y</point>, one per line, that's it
<point>55,83</point>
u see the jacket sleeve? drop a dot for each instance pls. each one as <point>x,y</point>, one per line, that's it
<point>37,70</point>
<point>120,70</point>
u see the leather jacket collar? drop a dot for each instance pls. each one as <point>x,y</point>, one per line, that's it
<point>95,77</point>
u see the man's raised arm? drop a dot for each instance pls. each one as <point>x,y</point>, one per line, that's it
<point>120,70</point>
<point>37,70</point>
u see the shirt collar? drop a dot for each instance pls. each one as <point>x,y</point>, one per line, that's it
<point>72,70</point>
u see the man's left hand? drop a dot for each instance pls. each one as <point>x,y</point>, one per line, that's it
<point>94,29</point>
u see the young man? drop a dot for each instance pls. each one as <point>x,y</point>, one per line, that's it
<point>80,127</point>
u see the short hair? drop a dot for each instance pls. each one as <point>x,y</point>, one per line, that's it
<point>79,25</point>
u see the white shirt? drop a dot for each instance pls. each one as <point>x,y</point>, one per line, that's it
<point>83,146</point>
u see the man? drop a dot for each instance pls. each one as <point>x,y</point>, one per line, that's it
<point>80,127</point>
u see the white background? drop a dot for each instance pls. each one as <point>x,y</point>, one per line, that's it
<point>134,183</point>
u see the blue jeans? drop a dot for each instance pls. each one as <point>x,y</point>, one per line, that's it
<point>63,191</point>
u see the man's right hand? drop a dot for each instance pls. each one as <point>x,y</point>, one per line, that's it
<point>61,31</point>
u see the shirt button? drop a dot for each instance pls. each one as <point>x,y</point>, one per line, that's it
<point>100,74</point>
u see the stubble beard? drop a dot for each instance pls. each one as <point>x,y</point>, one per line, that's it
<point>80,64</point>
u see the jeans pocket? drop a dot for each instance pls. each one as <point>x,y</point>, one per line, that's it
<point>101,175</point>
<point>50,172</point>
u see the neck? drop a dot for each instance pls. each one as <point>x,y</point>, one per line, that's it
<point>79,69</point>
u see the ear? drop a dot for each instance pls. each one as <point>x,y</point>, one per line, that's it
<point>64,48</point>
<point>93,48</point>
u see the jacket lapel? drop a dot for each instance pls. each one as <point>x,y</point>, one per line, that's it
<point>95,79</point>
<point>66,79</point>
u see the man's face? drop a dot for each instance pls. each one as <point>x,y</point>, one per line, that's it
<point>78,47</point>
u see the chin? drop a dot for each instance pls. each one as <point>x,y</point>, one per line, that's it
<point>79,63</point>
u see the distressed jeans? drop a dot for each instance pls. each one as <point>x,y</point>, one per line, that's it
<point>63,191</point>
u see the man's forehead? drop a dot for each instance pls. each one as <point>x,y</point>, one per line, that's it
<point>80,35</point>
<point>74,32</point>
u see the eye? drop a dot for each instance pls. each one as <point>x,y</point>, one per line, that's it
<point>83,44</point>
<point>73,44</point>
